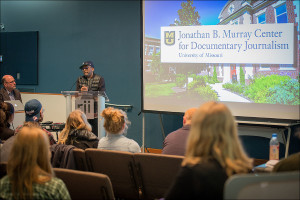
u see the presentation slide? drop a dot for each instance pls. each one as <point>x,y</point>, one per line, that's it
<point>242,53</point>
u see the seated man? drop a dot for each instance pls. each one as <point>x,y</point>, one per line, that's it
<point>175,142</point>
<point>34,113</point>
<point>9,91</point>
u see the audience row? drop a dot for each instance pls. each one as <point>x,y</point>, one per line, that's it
<point>209,142</point>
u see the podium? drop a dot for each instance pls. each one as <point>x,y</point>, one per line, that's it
<point>92,103</point>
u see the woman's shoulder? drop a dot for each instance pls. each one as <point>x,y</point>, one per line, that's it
<point>133,146</point>
<point>4,180</point>
<point>55,188</point>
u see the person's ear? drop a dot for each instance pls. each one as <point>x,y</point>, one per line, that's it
<point>184,120</point>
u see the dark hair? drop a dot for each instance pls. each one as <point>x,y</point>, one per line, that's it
<point>6,111</point>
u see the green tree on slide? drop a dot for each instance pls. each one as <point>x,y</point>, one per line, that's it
<point>188,16</point>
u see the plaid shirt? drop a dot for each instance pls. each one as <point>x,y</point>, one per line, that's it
<point>53,189</point>
<point>51,139</point>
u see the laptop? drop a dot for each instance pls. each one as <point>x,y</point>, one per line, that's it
<point>18,106</point>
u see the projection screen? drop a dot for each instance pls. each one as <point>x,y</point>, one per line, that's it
<point>242,53</point>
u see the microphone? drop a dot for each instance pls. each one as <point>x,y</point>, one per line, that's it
<point>73,85</point>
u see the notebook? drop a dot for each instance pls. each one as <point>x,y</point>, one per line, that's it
<point>18,106</point>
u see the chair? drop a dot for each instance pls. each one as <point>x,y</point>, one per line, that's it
<point>3,167</point>
<point>283,185</point>
<point>86,185</point>
<point>119,167</point>
<point>80,161</point>
<point>156,173</point>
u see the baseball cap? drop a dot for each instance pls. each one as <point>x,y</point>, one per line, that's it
<point>32,110</point>
<point>87,63</point>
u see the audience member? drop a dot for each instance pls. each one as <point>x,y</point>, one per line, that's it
<point>7,146</point>
<point>213,154</point>
<point>175,142</point>
<point>29,172</point>
<point>9,91</point>
<point>6,117</point>
<point>34,113</point>
<point>291,163</point>
<point>116,125</point>
<point>77,132</point>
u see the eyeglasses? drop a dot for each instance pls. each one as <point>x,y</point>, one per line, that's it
<point>85,68</point>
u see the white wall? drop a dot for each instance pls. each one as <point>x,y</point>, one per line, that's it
<point>54,105</point>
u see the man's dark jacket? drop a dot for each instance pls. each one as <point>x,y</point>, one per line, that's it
<point>4,95</point>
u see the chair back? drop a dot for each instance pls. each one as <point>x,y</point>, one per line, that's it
<point>80,161</point>
<point>118,166</point>
<point>281,185</point>
<point>86,185</point>
<point>3,167</point>
<point>156,173</point>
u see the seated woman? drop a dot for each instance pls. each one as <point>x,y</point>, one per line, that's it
<point>29,172</point>
<point>6,117</point>
<point>116,125</point>
<point>77,132</point>
<point>213,154</point>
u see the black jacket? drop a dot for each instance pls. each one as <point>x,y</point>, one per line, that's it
<point>4,95</point>
<point>202,181</point>
<point>82,139</point>
<point>97,83</point>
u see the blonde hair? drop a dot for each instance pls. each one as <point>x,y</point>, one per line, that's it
<point>115,120</point>
<point>76,120</point>
<point>29,162</point>
<point>214,135</point>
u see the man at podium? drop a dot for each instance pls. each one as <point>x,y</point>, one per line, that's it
<point>90,82</point>
<point>9,91</point>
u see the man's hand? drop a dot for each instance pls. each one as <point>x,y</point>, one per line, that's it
<point>84,88</point>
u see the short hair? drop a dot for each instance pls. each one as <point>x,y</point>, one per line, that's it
<point>29,158</point>
<point>189,113</point>
<point>115,120</point>
<point>3,80</point>
<point>214,135</point>
<point>76,120</point>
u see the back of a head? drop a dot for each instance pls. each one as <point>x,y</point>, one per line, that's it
<point>33,109</point>
<point>6,112</point>
<point>30,152</point>
<point>189,114</point>
<point>114,120</point>
<point>77,120</point>
<point>214,135</point>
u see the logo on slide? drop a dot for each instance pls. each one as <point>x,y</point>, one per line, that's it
<point>169,38</point>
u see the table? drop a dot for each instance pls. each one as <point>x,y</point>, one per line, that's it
<point>281,126</point>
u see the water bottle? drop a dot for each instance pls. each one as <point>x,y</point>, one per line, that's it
<point>274,147</point>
